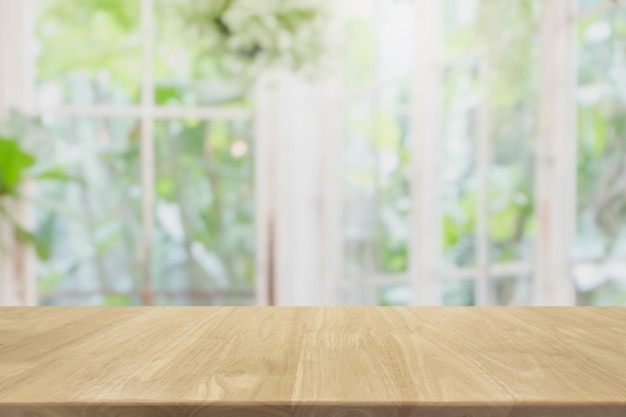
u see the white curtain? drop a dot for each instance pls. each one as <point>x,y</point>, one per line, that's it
<point>298,140</point>
<point>17,281</point>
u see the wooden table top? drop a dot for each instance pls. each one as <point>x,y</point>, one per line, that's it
<point>309,361</point>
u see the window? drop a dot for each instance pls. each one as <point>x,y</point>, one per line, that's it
<point>499,155</point>
<point>165,210</point>
<point>473,153</point>
<point>376,149</point>
<point>599,252</point>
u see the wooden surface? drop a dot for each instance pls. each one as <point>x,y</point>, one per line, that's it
<point>305,362</point>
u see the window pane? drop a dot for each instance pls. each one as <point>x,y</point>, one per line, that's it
<point>394,295</point>
<point>590,4</point>
<point>512,89</point>
<point>376,34</point>
<point>601,284</point>
<point>198,297</point>
<point>376,187</point>
<point>510,290</point>
<point>110,300</point>
<point>458,292</point>
<point>601,215</point>
<point>392,142</point>
<point>88,52</point>
<point>92,300</point>
<point>396,25</point>
<point>360,191</point>
<point>459,171</point>
<point>461,26</point>
<point>490,126</point>
<point>360,43</point>
<point>92,224</point>
<point>187,70</point>
<point>204,240</point>
<point>357,292</point>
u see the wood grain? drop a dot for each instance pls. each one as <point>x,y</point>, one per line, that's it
<point>309,361</point>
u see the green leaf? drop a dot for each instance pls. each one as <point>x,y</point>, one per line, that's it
<point>41,247</point>
<point>59,273</point>
<point>57,174</point>
<point>50,281</point>
<point>165,188</point>
<point>14,161</point>
<point>168,95</point>
<point>502,224</point>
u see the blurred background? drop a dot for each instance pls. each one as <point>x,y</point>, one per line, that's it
<point>300,152</point>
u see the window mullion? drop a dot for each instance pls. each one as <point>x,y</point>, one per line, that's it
<point>483,161</point>
<point>158,112</point>
<point>598,10</point>
<point>147,147</point>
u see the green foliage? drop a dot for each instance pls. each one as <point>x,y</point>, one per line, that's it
<point>503,84</point>
<point>252,35</point>
<point>458,293</point>
<point>15,170</point>
<point>602,133</point>
<point>215,206</point>
<point>118,300</point>
<point>360,57</point>
<point>167,94</point>
<point>52,279</point>
<point>14,162</point>
<point>105,58</point>
<point>204,202</point>
<point>57,174</point>
<point>41,248</point>
<point>92,48</point>
<point>383,135</point>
